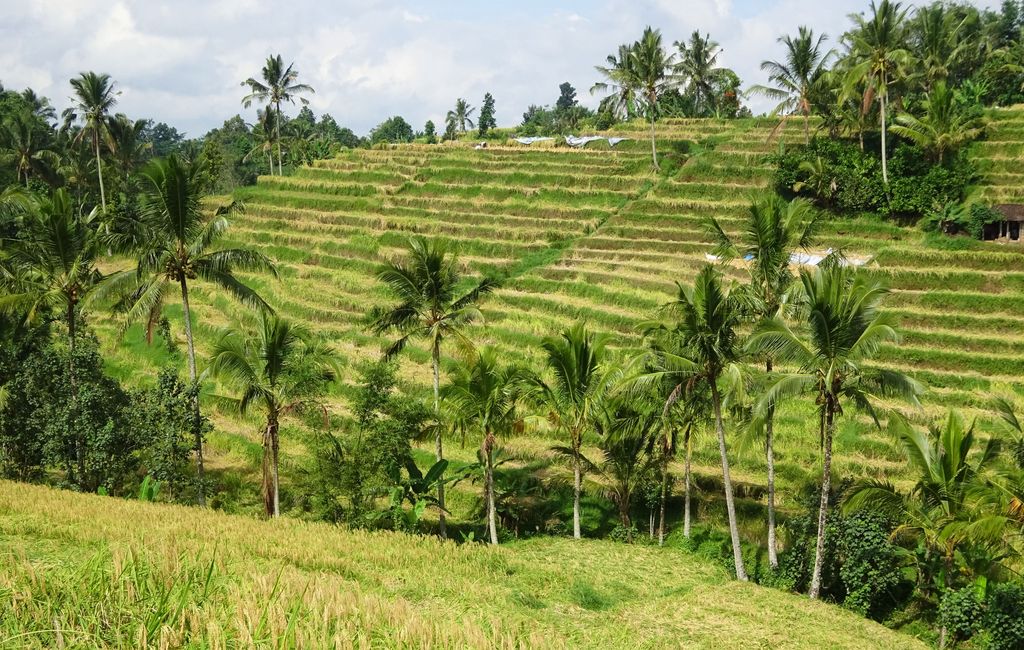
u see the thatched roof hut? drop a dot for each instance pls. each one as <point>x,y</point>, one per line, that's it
<point>1011,211</point>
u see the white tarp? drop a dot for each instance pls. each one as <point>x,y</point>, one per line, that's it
<point>573,141</point>
<point>532,140</point>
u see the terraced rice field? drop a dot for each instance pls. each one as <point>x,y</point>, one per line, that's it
<point>594,234</point>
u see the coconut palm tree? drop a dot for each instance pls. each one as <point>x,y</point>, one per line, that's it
<point>705,350</point>
<point>94,97</point>
<point>426,285</point>
<point>578,360</point>
<point>51,268</point>
<point>277,84</point>
<point>175,242</point>
<point>946,510</point>
<point>697,67</point>
<point>773,229</point>
<point>40,106</point>
<point>846,328</point>
<point>878,48</point>
<point>23,145</point>
<point>943,128</point>
<point>652,70</point>
<point>281,368</point>
<point>461,115</point>
<point>484,394</point>
<point>936,42</point>
<point>619,81</point>
<point>628,430</point>
<point>125,139</point>
<point>794,78</point>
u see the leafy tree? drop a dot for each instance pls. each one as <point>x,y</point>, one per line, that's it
<point>127,143</point>
<point>430,131</point>
<point>650,70</point>
<point>936,41</point>
<point>277,84</point>
<point>697,67</point>
<point>484,394</point>
<point>579,361</point>
<point>394,129</point>
<point>795,78</point>
<point>426,284</point>
<point>619,82</point>
<point>174,242</point>
<point>282,368</point>
<point>846,329</point>
<point>943,128</point>
<point>24,143</point>
<point>94,97</point>
<point>486,121</point>
<point>566,97</point>
<point>774,228</point>
<point>163,139</point>
<point>878,50</point>
<point>52,267</point>
<point>461,115</point>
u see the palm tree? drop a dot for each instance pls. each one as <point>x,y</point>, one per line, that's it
<point>94,97</point>
<point>284,369</point>
<point>936,43</point>
<point>25,148</point>
<point>278,85</point>
<point>619,81</point>
<point>705,351</point>
<point>53,267</point>
<point>697,66</point>
<point>40,106</point>
<point>795,77</point>
<point>485,394</point>
<point>175,247</point>
<point>651,67</point>
<point>125,139</point>
<point>461,115</point>
<point>773,230</point>
<point>879,49</point>
<point>943,128</point>
<point>426,285</point>
<point>628,435</point>
<point>577,359</point>
<point>846,328</point>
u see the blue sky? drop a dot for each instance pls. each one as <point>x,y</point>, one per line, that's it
<point>182,62</point>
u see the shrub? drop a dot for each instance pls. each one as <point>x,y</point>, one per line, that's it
<point>870,565</point>
<point>960,613</point>
<point>1003,617</point>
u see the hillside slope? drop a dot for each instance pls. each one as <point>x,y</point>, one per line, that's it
<point>87,571</point>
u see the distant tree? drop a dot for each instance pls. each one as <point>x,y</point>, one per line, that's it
<point>628,433</point>
<point>94,97</point>
<point>620,82</point>
<point>461,115</point>
<point>283,369</point>
<point>394,129</point>
<point>278,85</point>
<point>127,143</point>
<point>486,122</point>
<point>430,131</point>
<point>697,67</point>
<point>566,97</point>
<point>795,78</point>
<point>944,127</point>
<point>306,118</point>
<point>25,146</point>
<point>164,139</point>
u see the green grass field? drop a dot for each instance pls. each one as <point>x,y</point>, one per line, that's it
<point>83,571</point>
<point>594,234</point>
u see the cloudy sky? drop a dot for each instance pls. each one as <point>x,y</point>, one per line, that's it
<point>182,62</point>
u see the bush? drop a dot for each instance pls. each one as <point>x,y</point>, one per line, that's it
<point>960,613</point>
<point>870,565</point>
<point>1003,618</point>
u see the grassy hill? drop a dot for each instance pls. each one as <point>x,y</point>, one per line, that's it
<point>594,234</point>
<point>85,571</point>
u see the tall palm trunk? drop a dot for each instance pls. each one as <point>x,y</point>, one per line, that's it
<point>807,127</point>
<point>730,506</point>
<point>883,100</point>
<point>277,136</point>
<point>654,149</point>
<point>270,449</point>
<point>686,485</point>
<point>661,503</point>
<point>99,173</point>
<point>438,448</point>
<point>826,485</point>
<point>577,486</point>
<point>492,517</point>
<point>769,452</point>
<point>73,410</point>
<point>196,430</point>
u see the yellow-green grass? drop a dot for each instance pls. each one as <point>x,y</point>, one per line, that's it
<point>594,234</point>
<point>84,571</point>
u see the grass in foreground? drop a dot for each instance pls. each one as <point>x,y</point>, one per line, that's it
<point>85,571</point>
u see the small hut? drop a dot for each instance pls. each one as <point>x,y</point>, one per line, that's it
<point>1009,228</point>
